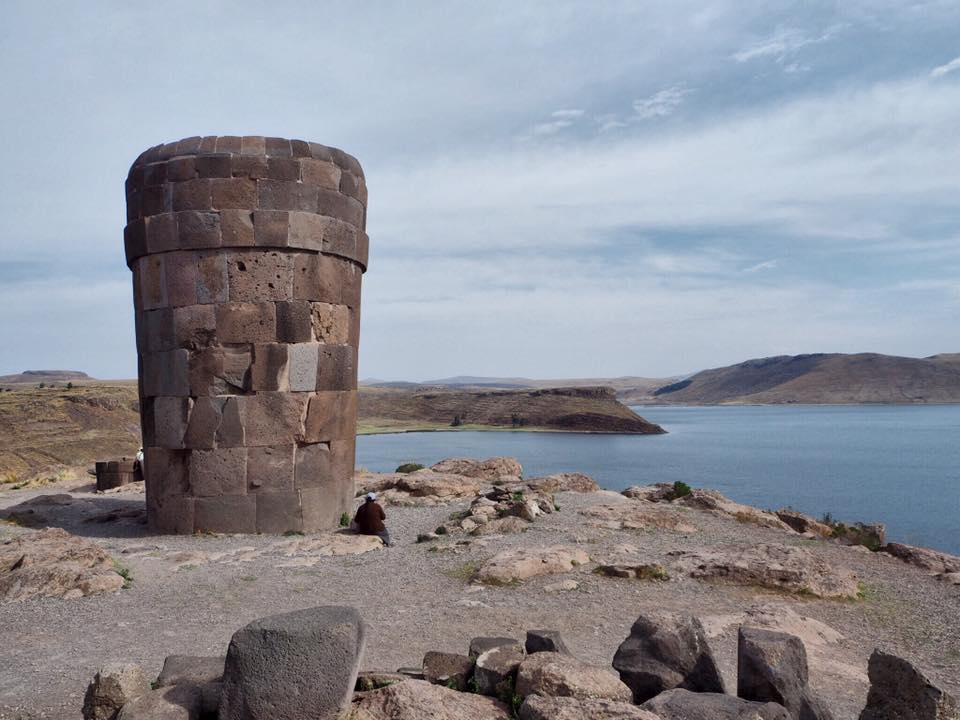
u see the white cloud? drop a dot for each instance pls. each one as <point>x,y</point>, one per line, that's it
<point>567,114</point>
<point>784,43</point>
<point>766,265</point>
<point>949,67</point>
<point>660,104</point>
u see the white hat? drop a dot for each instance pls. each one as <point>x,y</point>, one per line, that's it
<point>371,496</point>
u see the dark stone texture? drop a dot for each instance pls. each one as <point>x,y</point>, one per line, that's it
<point>680,704</point>
<point>545,641</point>
<point>480,645</point>
<point>448,669</point>
<point>190,669</point>
<point>898,691</point>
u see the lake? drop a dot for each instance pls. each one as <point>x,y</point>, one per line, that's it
<point>895,464</point>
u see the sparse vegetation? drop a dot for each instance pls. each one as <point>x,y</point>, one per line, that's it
<point>441,530</point>
<point>465,572</point>
<point>517,496</point>
<point>680,489</point>
<point>292,533</point>
<point>409,467</point>
<point>345,520</point>
<point>124,572</point>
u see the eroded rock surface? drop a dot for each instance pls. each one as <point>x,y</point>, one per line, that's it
<point>898,691</point>
<point>495,469</point>
<point>557,675</point>
<point>639,515</point>
<point>685,705</point>
<point>420,700</point>
<point>539,707</point>
<point>563,482</point>
<point>112,687</point>
<point>519,564</point>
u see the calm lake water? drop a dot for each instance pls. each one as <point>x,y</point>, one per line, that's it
<point>899,465</point>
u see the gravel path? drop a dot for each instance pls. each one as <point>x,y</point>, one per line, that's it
<point>415,598</point>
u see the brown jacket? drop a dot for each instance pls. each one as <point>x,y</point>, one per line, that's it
<point>369,519</point>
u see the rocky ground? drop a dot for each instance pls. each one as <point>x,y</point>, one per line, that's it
<point>189,594</point>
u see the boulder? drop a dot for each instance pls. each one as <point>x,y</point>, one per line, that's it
<point>420,700</point>
<point>772,667</point>
<point>496,668</point>
<point>898,691</point>
<point>502,526</point>
<point>297,664</point>
<point>870,535</point>
<point>375,679</point>
<point>562,586</point>
<point>308,550</point>
<point>111,688</point>
<point>930,560</point>
<point>717,504</point>
<point>518,564</point>
<point>448,669</point>
<point>659,492</point>
<point>804,523</point>
<point>627,561</point>
<point>545,641</point>
<point>190,669</point>
<point>666,651</point>
<point>480,645</point>
<point>424,483</point>
<point>636,515</point>
<point>779,567</point>
<point>556,675</point>
<point>539,707</point>
<point>54,563</point>
<point>685,705</point>
<point>563,482</point>
<point>179,702</point>
<point>496,469</point>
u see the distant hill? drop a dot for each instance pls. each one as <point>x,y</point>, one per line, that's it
<point>822,378</point>
<point>44,376</point>
<point>583,409</point>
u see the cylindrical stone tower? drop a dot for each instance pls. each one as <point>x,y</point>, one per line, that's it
<point>247,255</point>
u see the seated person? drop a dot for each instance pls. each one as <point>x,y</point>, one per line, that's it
<point>369,519</point>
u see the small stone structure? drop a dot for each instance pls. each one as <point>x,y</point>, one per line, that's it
<point>247,256</point>
<point>114,473</point>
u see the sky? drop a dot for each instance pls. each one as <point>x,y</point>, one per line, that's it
<point>555,189</point>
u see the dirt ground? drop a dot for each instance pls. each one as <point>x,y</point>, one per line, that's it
<point>189,594</point>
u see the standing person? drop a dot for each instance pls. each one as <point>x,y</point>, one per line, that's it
<point>369,519</point>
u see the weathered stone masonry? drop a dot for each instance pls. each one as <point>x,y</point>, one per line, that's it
<point>247,256</point>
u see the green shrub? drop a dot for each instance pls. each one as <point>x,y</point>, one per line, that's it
<point>409,467</point>
<point>124,572</point>
<point>345,520</point>
<point>517,496</point>
<point>441,530</point>
<point>680,489</point>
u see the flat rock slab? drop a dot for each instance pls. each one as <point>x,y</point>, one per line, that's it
<point>563,482</point>
<point>190,670</point>
<point>539,707</point>
<point>639,515</point>
<point>779,567</point>
<point>54,563</point>
<point>294,665</point>
<point>556,675</point>
<point>686,705</point>
<point>420,700</point>
<point>522,563</point>
<point>490,470</point>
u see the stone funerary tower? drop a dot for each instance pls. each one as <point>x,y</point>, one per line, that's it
<point>247,255</point>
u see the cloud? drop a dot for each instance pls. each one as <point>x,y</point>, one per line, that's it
<point>567,114</point>
<point>766,265</point>
<point>949,67</point>
<point>782,44</point>
<point>660,104</point>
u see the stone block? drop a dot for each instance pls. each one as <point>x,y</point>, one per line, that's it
<point>269,368</point>
<point>180,276</point>
<point>351,277</point>
<point>342,461</point>
<point>190,670</point>
<point>316,277</point>
<point>208,144</point>
<point>279,512</point>
<point>331,323</point>
<point>285,195</point>
<point>448,669</point>
<point>300,148</point>
<point>113,686</point>
<point>362,253</point>
<point>225,514</point>
<point>313,466</point>
<point>134,240</point>
<point>181,168</point>
<point>156,199</point>
<point>236,228</point>
<point>165,473</point>
<point>257,275</point>
<point>277,147</point>
<point>302,358</point>
<point>155,331</point>
<point>212,279</point>
<point>271,228</point>
<point>295,665</point>
<point>233,193</point>
<point>198,230</point>
<point>249,166</point>
<point>336,368</point>
<point>253,145</point>
<point>321,509</point>
<point>320,152</point>
<point>171,514</point>
<point>192,195</point>
<point>273,418</point>
<point>329,416</point>
<point>213,166</point>
<point>161,233</point>
<point>333,204</point>
<point>214,473</point>
<point>270,469</point>
<point>283,168</point>
<point>545,641</point>
<point>155,173</point>
<point>220,371</point>
<point>339,237</point>
<point>204,423</point>
<point>306,230</point>
<point>134,210</point>
<point>294,322</point>
<point>189,146</point>
<point>170,415</point>
<point>166,373</point>
<point>246,322</point>
<point>322,173</point>
<point>231,432</point>
<point>228,144</point>
<point>346,161</point>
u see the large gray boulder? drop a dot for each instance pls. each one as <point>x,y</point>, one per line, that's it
<point>545,641</point>
<point>541,707</point>
<point>666,651</point>
<point>112,687</point>
<point>681,704</point>
<point>496,668</point>
<point>295,665</point>
<point>898,691</point>
<point>191,670</point>
<point>772,667</point>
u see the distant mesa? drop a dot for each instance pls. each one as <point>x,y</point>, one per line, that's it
<point>44,376</point>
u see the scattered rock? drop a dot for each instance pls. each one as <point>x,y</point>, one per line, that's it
<point>553,674</point>
<point>375,679</point>
<point>112,687</point>
<point>562,586</point>
<point>637,515</point>
<point>480,645</point>
<point>931,560</point>
<point>660,492</point>
<point>419,700</point>
<point>772,667</point>
<point>419,488</point>
<point>310,548</point>
<point>297,664</point>
<point>563,482</point>
<point>665,651</point>
<point>545,641</point>
<point>190,669</point>
<point>871,536</point>
<point>627,562</point>
<point>898,691</point>
<point>685,705</point>
<point>180,702</point>
<point>519,564</point>
<point>495,668</point>
<point>502,526</point>
<point>538,707</point>
<point>779,567</point>
<point>717,504</point>
<point>804,523</point>
<point>54,563</point>
<point>449,669</point>
<point>496,469</point>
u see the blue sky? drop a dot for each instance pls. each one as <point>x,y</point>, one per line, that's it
<point>556,189</point>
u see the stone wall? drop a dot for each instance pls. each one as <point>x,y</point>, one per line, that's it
<point>247,256</point>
